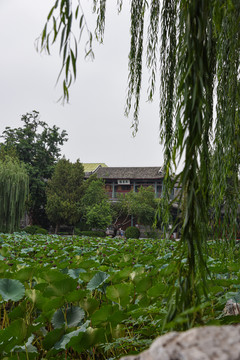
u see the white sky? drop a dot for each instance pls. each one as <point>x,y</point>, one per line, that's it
<point>94,119</point>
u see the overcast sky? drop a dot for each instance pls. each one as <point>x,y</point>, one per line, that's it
<point>94,118</point>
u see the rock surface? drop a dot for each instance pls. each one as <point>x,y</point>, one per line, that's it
<point>203,343</point>
<point>232,308</point>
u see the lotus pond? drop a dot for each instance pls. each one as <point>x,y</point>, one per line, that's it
<point>93,298</point>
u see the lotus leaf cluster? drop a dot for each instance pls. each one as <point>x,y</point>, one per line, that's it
<point>83,298</point>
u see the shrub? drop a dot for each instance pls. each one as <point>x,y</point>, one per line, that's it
<point>82,226</point>
<point>132,232</point>
<point>35,229</point>
<point>93,233</point>
<point>42,231</point>
<point>153,234</point>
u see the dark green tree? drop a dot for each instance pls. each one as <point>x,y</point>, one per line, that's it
<point>94,192</point>
<point>95,204</point>
<point>38,146</point>
<point>7,152</point>
<point>13,193</point>
<point>64,193</point>
<point>99,215</point>
<point>199,46</point>
<point>142,205</point>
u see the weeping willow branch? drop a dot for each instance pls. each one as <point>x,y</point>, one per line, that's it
<point>135,59</point>
<point>197,43</point>
<point>60,20</point>
<point>168,77</point>
<point>226,151</point>
<point>153,45</point>
<point>192,121</point>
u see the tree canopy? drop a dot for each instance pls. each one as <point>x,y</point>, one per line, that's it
<point>141,205</point>
<point>64,193</point>
<point>198,42</point>
<point>38,146</point>
<point>95,204</point>
<point>99,215</point>
<point>94,192</point>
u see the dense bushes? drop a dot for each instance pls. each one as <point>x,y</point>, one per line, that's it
<point>132,232</point>
<point>35,229</point>
<point>94,233</point>
<point>153,234</point>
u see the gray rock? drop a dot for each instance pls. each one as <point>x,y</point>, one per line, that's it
<point>203,343</point>
<point>231,308</point>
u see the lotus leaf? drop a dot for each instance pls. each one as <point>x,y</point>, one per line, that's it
<point>74,273</point>
<point>156,290</point>
<point>68,317</point>
<point>108,313</point>
<point>89,304</point>
<point>61,344</point>
<point>98,279</point>
<point>120,293</point>
<point>24,274</point>
<point>28,347</point>
<point>52,337</point>
<point>87,339</point>
<point>13,335</point>
<point>60,288</point>
<point>11,289</point>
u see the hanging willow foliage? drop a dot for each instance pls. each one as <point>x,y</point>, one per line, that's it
<point>13,194</point>
<point>197,44</point>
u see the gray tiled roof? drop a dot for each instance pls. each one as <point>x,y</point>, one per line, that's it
<point>130,173</point>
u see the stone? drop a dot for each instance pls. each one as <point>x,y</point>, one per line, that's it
<point>231,308</point>
<point>203,343</point>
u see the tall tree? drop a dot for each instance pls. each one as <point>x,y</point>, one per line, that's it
<point>99,215</point>
<point>64,193</point>
<point>13,193</point>
<point>94,192</point>
<point>199,45</point>
<point>142,205</point>
<point>38,146</point>
<point>97,212</point>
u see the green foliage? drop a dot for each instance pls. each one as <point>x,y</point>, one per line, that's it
<point>11,289</point>
<point>152,234</point>
<point>64,193</point>
<point>60,19</point>
<point>97,212</point>
<point>35,229</point>
<point>68,317</point>
<point>7,152</point>
<point>98,279</point>
<point>132,232</point>
<point>97,233</point>
<point>94,192</point>
<point>99,216</point>
<point>142,205</point>
<point>199,57</point>
<point>13,193</point>
<point>70,296</point>
<point>38,146</point>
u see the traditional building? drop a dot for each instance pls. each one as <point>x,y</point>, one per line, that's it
<point>120,180</point>
<point>90,168</point>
